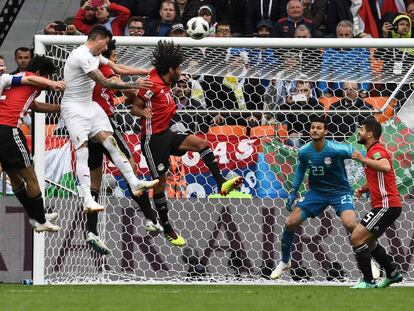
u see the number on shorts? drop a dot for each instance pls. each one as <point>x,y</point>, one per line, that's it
<point>368,216</point>
<point>345,199</point>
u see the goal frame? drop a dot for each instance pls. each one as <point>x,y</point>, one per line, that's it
<point>41,41</point>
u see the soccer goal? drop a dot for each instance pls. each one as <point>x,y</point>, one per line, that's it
<point>252,99</point>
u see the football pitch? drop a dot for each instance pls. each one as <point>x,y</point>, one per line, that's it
<point>202,297</point>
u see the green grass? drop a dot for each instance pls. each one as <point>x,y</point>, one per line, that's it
<point>202,297</point>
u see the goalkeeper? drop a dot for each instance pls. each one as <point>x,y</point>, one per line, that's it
<point>328,185</point>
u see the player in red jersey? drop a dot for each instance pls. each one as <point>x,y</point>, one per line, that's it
<point>156,106</point>
<point>105,98</point>
<point>385,202</point>
<point>15,157</point>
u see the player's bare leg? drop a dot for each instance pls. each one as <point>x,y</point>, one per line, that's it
<point>26,188</point>
<point>138,187</point>
<point>160,200</point>
<point>195,143</point>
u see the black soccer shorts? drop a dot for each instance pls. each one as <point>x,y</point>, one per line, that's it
<point>379,219</point>
<point>157,149</point>
<point>14,153</point>
<point>97,150</point>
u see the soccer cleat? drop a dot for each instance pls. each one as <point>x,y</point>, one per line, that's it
<point>97,244</point>
<point>231,184</point>
<point>50,217</point>
<point>47,226</point>
<point>387,282</point>
<point>151,227</point>
<point>280,268</point>
<point>363,284</point>
<point>92,207</point>
<point>376,272</point>
<point>144,185</point>
<point>179,241</point>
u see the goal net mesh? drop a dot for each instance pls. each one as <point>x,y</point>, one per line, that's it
<point>253,105</point>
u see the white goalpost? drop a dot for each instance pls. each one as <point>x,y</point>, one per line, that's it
<point>266,90</point>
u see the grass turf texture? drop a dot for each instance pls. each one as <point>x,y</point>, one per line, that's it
<point>202,297</point>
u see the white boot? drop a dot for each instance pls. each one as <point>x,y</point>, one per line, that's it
<point>151,227</point>
<point>143,185</point>
<point>280,268</point>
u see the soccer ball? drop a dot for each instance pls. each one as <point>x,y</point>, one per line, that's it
<point>197,28</point>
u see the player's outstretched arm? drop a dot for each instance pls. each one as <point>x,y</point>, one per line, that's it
<point>45,108</point>
<point>382,165</point>
<point>44,82</point>
<point>127,70</point>
<point>97,76</point>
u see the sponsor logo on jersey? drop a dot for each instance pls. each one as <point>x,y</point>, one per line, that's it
<point>327,161</point>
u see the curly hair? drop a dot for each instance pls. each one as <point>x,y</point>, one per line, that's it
<point>167,55</point>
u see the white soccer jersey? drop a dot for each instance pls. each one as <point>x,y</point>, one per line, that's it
<point>79,86</point>
<point>5,81</point>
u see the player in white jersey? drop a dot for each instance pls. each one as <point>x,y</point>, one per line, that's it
<point>85,119</point>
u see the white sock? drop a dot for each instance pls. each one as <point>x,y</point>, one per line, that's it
<point>83,173</point>
<point>120,161</point>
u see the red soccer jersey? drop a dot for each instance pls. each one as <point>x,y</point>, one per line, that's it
<point>15,101</point>
<point>104,96</point>
<point>382,186</point>
<point>161,102</point>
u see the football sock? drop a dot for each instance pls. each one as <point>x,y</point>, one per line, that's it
<point>210,161</point>
<point>120,160</point>
<point>160,201</point>
<point>363,258</point>
<point>381,256</point>
<point>21,195</point>
<point>145,205</point>
<point>37,207</point>
<point>92,218</point>
<point>83,173</point>
<point>287,241</point>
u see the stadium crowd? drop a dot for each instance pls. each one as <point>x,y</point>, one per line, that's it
<point>294,88</point>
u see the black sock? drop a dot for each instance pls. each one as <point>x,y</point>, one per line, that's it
<point>161,204</point>
<point>21,195</point>
<point>92,218</point>
<point>381,256</point>
<point>210,161</point>
<point>145,206</point>
<point>363,258</point>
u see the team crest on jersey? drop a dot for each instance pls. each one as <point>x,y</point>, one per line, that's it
<point>327,161</point>
<point>160,167</point>
<point>377,156</point>
<point>162,92</point>
<point>149,94</point>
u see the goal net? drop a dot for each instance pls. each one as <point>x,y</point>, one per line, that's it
<point>252,99</point>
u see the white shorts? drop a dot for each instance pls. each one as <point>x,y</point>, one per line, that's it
<point>85,122</point>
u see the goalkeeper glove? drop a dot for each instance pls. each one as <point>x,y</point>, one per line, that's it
<point>290,200</point>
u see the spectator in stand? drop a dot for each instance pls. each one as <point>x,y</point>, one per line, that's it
<point>186,122</point>
<point>186,9</point>
<point>113,16</point>
<point>286,26</point>
<point>60,28</point>
<point>315,10</point>
<point>309,59</point>
<point>208,13</point>
<point>135,26</point>
<point>177,30</point>
<point>88,14</point>
<point>162,27</point>
<point>341,125</point>
<point>232,11</point>
<point>257,10</point>
<point>336,64</point>
<point>337,11</point>
<point>410,13</point>
<point>298,123</point>
<point>22,57</point>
